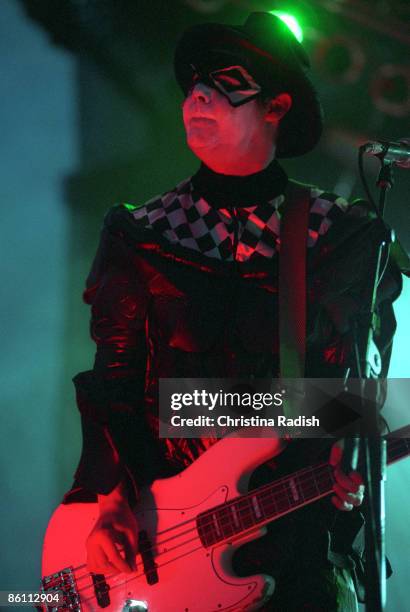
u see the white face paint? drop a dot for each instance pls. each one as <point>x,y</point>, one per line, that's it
<point>231,140</point>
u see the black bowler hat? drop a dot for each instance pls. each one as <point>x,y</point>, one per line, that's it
<point>269,51</point>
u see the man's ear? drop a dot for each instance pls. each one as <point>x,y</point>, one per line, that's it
<point>278,107</point>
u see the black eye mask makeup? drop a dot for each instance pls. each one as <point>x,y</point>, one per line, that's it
<point>234,82</point>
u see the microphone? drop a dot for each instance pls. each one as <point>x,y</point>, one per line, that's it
<point>397,153</point>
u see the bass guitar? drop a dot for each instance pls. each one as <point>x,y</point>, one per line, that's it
<point>189,528</point>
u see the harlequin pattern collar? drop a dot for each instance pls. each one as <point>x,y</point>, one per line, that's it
<point>242,233</point>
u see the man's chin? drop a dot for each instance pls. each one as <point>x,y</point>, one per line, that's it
<point>201,145</point>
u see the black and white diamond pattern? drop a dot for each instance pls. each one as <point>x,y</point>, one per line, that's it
<point>188,220</point>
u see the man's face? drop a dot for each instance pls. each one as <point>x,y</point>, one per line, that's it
<point>215,127</point>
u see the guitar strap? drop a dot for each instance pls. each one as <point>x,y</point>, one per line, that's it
<point>292,280</point>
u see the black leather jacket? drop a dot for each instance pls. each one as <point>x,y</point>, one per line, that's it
<point>162,310</point>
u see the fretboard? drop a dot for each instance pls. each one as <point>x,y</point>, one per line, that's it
<point>270,502</point>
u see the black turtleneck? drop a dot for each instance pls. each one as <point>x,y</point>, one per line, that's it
<point>223,190</point>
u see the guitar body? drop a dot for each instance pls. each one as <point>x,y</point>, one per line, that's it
<point>185,575</point>
<point>189,527</point>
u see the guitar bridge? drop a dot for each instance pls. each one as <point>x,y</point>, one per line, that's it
<point>63,583</point>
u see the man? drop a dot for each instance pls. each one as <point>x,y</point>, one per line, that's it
<point>186,286</point>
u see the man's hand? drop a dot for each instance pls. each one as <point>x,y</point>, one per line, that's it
<point>115,530</point>
<point>349,489</point>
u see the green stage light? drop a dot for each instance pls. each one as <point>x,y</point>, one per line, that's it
<point>291,22</point>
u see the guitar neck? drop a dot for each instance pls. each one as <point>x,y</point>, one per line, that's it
<point>269,502</point>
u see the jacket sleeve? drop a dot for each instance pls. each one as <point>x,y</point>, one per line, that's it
<point>110,395</point>
<point>340,269</point>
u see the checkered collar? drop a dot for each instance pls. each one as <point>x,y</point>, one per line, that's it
<point>184,218</point>
<point>221,190</point>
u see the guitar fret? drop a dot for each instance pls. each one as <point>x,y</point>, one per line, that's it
<point>245,512</point>
<point>294,490</point>
<point>287,497</point>
<point>300,487</point>
<point>215,522</point>
<point>227,527</point>
<point>309,485</point>
<point>279,494</point>
<point>280,497</point>
<point>256,507</point>
<point>269,502</point>
<point>205,530</point>
<point>324,479</point>
<point>235,517</point>
<point>318,492</point>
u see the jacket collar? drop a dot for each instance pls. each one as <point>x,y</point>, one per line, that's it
<point>222,190</point>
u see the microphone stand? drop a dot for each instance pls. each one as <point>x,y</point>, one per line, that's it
<point>373,449</point>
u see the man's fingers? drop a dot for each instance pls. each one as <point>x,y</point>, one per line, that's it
<point>349,489</point>
<point>98,564</point>
<point>340,505</point>
<point>129,541</point>
<point>128,535</point>
<point>351,483</point>
<point>336,454</point>
<point>114,556</point>
<point>356,477</point>
<point>348,498</point>
<point>103,555</point>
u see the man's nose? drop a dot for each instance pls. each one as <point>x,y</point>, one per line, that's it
<point>202,92</point>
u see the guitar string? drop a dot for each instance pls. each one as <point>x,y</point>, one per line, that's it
<point>160,565</point>
<point>193,529</point>
<point>268,488</point>
<point>158,554</point>
<point>320,474</point>
<point>270,491</point>
<point>264,489</point>
<point>135,577</point>
<point>261,490</point>
<point>157,566</point>
<point>238,536</point>
<point>271,518</point>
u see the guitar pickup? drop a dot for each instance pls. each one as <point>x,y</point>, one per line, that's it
<point>101,590</point>
<point>149,565</point>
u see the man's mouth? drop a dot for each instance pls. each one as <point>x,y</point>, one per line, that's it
<point>201,118</point>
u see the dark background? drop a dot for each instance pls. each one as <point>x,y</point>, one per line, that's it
<point>90,116</point>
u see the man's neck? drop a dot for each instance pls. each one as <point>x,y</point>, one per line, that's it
<point>237,169</point>
<point>221,190</point>
<point>240,166</point>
